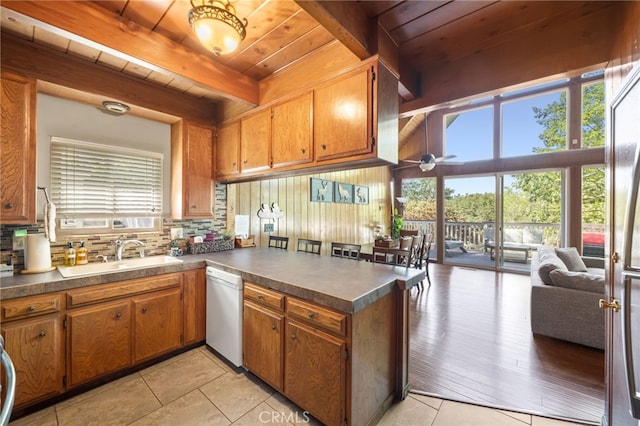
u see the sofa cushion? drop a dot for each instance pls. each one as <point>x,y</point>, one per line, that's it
<point>532,236</point>
<point>577,280</point>
<point>513,235</point>
<point>548,261</point>
<point>571,258</point>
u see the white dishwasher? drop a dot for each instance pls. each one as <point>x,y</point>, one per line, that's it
<point>224,314</point>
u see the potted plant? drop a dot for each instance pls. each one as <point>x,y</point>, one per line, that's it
<point>396,224</point>
<point>226,235</point>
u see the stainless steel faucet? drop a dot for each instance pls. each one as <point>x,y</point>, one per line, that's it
<point>120,245</point>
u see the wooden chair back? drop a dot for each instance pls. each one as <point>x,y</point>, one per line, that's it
<point>279,242</point>
<point>349,251</point>
<point>309,246</point>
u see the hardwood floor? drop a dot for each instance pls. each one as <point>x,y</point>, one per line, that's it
<point>471,341</point>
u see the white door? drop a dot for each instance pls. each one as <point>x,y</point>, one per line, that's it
<point>623,340</point>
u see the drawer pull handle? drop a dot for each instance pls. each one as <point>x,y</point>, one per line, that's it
<point>118,315</point>
<point>293,337</point>
<point>323,146</point>
<point>312,315</point>
<point>42,334</point>
<point>31,308</point>
<point>8,206</point>
<point>273,326</point>
<point>260,297</point>
<point>144,310</point>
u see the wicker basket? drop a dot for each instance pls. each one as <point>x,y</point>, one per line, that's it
<point>209,246</point>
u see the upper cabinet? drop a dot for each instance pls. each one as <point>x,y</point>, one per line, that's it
<point>349,120</point>
<point>343,116</point>
<point>228,149</point>
<point>192,174</point>
<point>18,150</point>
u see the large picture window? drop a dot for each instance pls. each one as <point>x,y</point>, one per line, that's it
<point>105,188</point>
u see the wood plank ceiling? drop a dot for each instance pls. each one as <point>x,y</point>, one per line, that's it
<point>152,40</point>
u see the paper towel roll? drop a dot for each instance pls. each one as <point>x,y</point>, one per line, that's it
<point>37,253</point>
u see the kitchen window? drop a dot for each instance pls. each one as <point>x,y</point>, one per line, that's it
<point>103,188</point>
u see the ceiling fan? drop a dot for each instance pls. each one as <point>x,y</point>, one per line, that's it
<point>429,161</point>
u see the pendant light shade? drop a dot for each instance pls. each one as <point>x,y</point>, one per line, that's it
<point>216,25</point>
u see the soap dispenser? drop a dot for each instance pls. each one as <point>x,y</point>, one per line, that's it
<point>70,255</point>
<point>82,257</point>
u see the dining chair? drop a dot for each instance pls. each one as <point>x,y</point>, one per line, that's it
<point>309,246</point>
<point>409,233</point>
<point>279,242</point>
<point>423,258</point>
<point>348,251</point>
<point>404,255</point>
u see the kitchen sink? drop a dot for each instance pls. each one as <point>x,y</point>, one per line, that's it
<point>97,268</point>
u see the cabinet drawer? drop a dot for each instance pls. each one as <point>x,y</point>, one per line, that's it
<point>31,306</point>
<point>264,297</point>
<point>104,292</point>
<point>317,316</point>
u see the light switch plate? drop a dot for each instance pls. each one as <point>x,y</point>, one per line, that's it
<point>176,233</point>
<point>19,237</point>
<point>268,227</point>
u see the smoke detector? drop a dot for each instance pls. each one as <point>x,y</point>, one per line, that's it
<point>116,107</point>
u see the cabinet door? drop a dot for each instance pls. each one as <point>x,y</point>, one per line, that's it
<point>194,306</point>
<point>342,117</point>
<point>158,322</point>
<point>98,341</point>
<point>262,343</point>
<point>255,142</point>
<point>198,173</point>
<point>36,347</point>
<point>292,132</point>
<point>17,150</point>
<point>315,372</point>
<point>228,149</point>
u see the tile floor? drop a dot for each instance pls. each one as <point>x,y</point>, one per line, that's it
<point>197,388</point>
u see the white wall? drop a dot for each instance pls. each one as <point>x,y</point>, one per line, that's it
<point>73,120</point>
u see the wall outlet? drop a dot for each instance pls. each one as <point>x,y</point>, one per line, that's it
<point>268,227</point>
<point>176,233</point>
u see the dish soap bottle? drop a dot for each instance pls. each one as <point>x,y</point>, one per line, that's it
<point>70,255</point>
<point>82,255</point>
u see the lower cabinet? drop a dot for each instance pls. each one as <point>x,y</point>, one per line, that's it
<point>158,324</point>
<point>306,360</point>
<point>262,340</point>
<point>36,347</point>
<point>98,341</point>
<point>60,341</point>
<point>315,372</point>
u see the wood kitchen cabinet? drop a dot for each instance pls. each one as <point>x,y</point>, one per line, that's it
<point>33,334</point>
<point>255,142</point>
<point>262,338</point>
<point>158,322</point>
<point>17,150</point>
<point>98,341</point>
<point>192,173</point>
<point>228,149</point>
<point>292,132</point>
<point>306,360</point>
<point>194,288</point>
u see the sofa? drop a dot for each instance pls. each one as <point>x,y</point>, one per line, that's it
<point>565,291</point>
<point>525,240</point>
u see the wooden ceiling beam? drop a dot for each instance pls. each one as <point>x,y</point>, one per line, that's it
<point>348,22</point>
<point>89,24</point>
<point>44,64</point>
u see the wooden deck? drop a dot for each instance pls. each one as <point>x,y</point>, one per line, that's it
<point>471,341</point>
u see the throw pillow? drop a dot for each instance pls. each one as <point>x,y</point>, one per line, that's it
<point>571,258</point>
<point>578,281</point>
<point>547,265</point>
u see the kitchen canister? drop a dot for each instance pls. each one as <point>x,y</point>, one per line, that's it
<point>37,254</point>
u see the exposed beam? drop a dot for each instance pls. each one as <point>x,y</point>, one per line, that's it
<point>348,22</point>
<point>92,25</point>
<point>41,63</point>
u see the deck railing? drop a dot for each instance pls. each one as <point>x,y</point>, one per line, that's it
<point>472,234</point>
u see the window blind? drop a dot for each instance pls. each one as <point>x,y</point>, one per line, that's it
<point>89,180</point>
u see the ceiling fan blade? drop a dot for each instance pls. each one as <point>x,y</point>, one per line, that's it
<point>445,158</point>
<point>411,161</point>
<point>404,167</point>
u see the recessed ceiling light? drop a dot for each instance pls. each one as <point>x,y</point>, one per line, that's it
<point>117,107</point>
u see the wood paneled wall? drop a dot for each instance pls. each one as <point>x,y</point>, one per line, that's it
<point>326,221</point>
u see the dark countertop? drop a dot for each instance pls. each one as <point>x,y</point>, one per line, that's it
<point>342,284</point>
